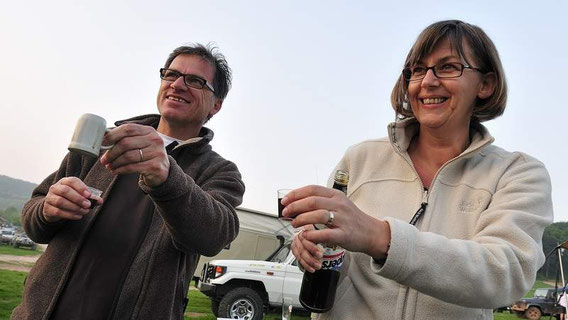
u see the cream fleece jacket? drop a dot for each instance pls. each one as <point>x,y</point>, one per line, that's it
<point>477,246</point>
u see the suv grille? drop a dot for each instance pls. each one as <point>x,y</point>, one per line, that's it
<point>208,272</point>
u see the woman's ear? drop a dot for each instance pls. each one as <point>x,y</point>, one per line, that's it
<point>488,84</point>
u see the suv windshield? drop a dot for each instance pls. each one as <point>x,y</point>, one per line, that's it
<point>280,255</point>
<point>540,293</point>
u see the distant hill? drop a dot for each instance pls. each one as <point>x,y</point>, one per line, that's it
<point>14,192</point>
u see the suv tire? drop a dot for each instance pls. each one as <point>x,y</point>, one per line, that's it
<point>241,303</point>
<point>533,313</point>
<point>215,307</point>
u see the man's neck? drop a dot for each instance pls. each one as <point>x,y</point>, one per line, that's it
<point>178,132</point>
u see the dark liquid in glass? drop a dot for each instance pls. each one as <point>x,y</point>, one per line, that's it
<point>318,290</point>
<point>280,208</point>
<point>93,203</point>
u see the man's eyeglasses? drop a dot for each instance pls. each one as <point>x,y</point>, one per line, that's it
<point>444,70</point>
<point>190,80</point>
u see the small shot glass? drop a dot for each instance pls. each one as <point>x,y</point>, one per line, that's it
<point>94,192</point>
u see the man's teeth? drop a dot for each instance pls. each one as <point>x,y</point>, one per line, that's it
<point>177,99</point>
<point>433,100</point>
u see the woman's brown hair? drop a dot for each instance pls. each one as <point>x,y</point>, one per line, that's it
<point>482,50</point>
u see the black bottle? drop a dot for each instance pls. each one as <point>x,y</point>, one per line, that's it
<point>317,293</point>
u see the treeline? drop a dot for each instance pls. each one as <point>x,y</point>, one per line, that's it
<point>12,215</point>
<point>554,235</point>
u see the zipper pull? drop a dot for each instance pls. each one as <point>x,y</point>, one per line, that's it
<point>420,210</point>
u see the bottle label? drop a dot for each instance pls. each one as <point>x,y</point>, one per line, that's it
<point>332,258</point>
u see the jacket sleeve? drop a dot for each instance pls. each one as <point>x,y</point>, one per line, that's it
<point>498,264</point>
<point>33,221</point>
<point>200,216</point>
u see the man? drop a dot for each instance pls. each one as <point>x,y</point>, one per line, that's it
<point>133,255</point>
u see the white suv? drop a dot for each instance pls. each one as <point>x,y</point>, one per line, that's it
<point>244,289</point>
<point>7,234</point>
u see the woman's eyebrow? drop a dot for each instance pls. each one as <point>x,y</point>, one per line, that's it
<point>443,59</point>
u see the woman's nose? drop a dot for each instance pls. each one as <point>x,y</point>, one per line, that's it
<point>430,79</point>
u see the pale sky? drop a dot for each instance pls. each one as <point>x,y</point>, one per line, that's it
<point>310,78</point>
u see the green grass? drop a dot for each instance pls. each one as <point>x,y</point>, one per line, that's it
<point>11,285</point>
<point>6,249</point>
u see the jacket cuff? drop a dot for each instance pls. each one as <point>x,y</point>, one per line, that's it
<point>46,223</point>
<point>172,188</point>
<point>396,264</point>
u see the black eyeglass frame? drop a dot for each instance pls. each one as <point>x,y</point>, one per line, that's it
<point>408,71</point>
<point>186,79</point>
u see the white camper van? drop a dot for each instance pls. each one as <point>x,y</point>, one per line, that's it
<point>260,234</point>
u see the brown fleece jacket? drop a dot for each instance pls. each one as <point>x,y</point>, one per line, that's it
<point>194,215</point>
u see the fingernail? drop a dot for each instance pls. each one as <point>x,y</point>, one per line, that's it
<point>318,266</point>
<point>284,200</point>
<point>86,204</point>
<point>319,254</point>
<point>86,193</point>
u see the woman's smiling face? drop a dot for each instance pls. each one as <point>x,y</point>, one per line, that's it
<point>447,103</point>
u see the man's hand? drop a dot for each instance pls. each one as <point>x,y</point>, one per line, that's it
<point>67,199</point>
<point>137,148</point>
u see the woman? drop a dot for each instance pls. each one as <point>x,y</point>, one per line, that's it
<point>478,212</point>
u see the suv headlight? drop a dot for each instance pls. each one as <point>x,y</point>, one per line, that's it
<point>212,271</point>
<point>219,271</point>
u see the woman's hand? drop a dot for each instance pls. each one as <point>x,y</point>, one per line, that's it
<point>351,228</point>
<point>307,253</point>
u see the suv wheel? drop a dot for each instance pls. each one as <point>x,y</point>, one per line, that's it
<point>241,303</point>
<point>215,307</point>
<point>533,313</point>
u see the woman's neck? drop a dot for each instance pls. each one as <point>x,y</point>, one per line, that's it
<point>430,150</point>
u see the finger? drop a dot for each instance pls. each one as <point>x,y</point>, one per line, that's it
<point>307,204</point>
<point>65,204</point>
<point>303,257</point>
<point>129,168</point>
<point>319,216</point>
<point>132,156</point>
<point>307,191</point>
<point>126,130</point>
<point>53,214</point>
<point>328,236</point>
<point>69,193</point>
<point>128,146</point>
<point>311,261</point>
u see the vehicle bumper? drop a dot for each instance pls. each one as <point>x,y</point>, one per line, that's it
<point>207,289</point>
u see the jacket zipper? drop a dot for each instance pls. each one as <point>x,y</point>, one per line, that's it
<point>420,210</point>
<point>424,203</point>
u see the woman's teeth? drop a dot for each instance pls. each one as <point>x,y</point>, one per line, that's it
<point>433,100</point>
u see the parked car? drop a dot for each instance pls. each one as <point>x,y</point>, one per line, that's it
<point>7,234</point>
<point>543,303</point>
<point>245,289</point>
<point>22,240</point>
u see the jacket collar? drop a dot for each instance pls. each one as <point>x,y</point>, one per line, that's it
<point>198,144</point>
<point>401,133</point>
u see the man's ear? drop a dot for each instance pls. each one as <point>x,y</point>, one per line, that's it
<point>216,107</point>
<point>487,85</point>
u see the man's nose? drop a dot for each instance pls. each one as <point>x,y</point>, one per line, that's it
<point>430,79</point>
<point>178,83</point>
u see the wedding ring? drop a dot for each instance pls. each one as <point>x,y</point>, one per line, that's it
<point>141,155</point>
<point>330,218</point>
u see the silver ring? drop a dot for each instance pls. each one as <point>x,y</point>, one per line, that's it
<point>329,222</point>
<point>141,155</point>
